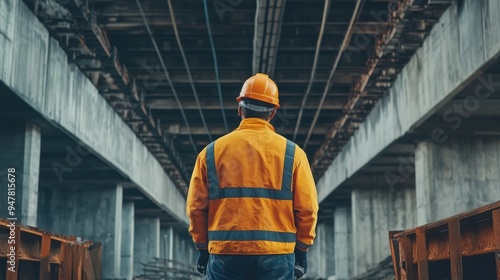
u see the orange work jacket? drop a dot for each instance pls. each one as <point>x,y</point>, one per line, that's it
<point>252,193</point>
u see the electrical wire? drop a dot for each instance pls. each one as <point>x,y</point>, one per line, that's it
<point>167,76</point>
<point>345,44</point>
<point>177,37</point>
<point>314,67</point>
<point>215,65</point>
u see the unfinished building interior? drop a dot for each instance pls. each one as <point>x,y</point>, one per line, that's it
<point>106,104</point>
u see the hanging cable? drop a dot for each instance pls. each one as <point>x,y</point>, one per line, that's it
<point>314,67</point>
<point>177,37</point>
<point>167,76</point>
<point>345,44</point>
<point>215,65</point>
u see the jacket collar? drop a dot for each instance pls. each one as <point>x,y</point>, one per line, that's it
<point>255,124</point>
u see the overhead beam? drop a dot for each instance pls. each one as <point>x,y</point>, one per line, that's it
<point>63,95</point>
<point>217,130</point>
<point>430,79</point>
<point>213,103</point>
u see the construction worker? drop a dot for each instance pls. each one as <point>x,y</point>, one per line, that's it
<point>252,200</point>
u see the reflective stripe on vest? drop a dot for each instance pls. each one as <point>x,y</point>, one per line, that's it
<point>250,235</point>
<point>215,192</point>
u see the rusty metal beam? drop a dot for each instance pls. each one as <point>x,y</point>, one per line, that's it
<point>345,43</point>
<point>49,250</point>
<point>422,258</point>
<point>359,87</point>
<point>472,233</point>
<point>496,239</point>
<point>45,258</point>
<point>455,245</point>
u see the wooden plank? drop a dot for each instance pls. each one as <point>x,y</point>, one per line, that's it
<point>408,267</point>
<point>44,258</point>
<point>455,249</point>
<point>496,239</point>
<point>422,262</point>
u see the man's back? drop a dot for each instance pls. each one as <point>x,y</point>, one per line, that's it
<point>252,200</point>
<point>250,177</point>
<point>251,161</point>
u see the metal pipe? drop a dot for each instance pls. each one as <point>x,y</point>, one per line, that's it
<point>314,67</point>
<point>215,64</point>
<point>268,23</point>
<point>345,43</point>
<point>167,76</point>
<point>177,37</point>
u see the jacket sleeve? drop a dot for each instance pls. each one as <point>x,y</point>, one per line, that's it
<point>305,202</point>
<point>197,203</point>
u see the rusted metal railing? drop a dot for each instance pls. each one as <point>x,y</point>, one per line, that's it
<point>46,256</point>
<point>465,246</point>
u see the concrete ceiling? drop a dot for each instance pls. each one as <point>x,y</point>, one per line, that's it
<point>360,50</point>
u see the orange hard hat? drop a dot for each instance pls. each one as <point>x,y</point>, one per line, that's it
<point>260,87</point>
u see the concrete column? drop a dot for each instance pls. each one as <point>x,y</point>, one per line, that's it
<point>93,214</point>
<point>147,241</point>
<point>171,243</point>
<point>343,243</point>
<point>127,247</point>
<point>20,149</point>
<point>374,213</point>
<point>321,256</point>
<point>459,175</point>
<point>163,243</point>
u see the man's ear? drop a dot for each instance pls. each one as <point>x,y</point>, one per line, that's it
<point>240,113</point>
<point>272,114</point>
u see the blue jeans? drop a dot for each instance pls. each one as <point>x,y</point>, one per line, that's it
<point>237,267</point>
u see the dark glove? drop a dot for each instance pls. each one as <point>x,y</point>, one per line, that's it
<point>300,263</point>
<point>202,262</point>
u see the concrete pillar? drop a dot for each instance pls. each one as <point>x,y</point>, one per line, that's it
<point>147,241</point>
<point>459,175</point>
<point>374,213</point>
<point>171,243</point>
<point>93,214</point>
<point>127,247</point>
<point>163,243</point>
<point>20,149</point>
<point>343,243</point>
<point>321,256</point>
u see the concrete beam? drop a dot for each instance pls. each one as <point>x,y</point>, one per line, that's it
<point>127,246</point>
<point>146,241</point>
<point>374,213</point>
<point>343,243</point>
<point>20,146</point>
<point>459,49</point>
<point>321,256</point>
<point>91,214</point>
<point>200,130</point>
<point>456,176</point>
<point>63,95</point>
